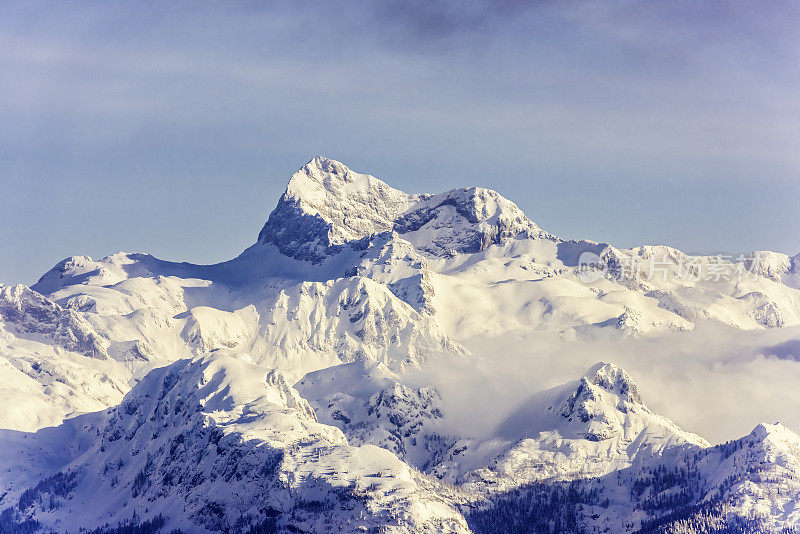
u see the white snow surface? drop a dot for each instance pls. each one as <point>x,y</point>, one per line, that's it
<point>272,388</point>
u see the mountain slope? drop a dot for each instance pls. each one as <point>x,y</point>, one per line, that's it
<point>467,262</point>
<point>746,485</point>
<point>216,443</point>
<point>184,373</point>
<point>219,444</point>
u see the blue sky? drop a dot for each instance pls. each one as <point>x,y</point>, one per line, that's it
<point>172,128</point>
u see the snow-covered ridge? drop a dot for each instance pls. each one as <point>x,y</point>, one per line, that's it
<point>745,485</point>
<point>217,444</point>
<point>351,285</point>
<point>25,312</point>
<point>326,206</point>
<point>396,278</point>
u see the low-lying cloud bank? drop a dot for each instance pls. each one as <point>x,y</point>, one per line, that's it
<point>716,381</point>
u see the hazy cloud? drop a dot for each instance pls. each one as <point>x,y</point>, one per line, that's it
<point>717,381</point>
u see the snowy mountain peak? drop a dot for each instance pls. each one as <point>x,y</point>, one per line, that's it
<point>324,181</point>
<point>603,389</point>
<point>775,432</point>
<point>327,206</point>
<point>614,379</point>
<point>598,407</point>
<point>324,165</point>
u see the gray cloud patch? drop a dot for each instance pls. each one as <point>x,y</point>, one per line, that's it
<point>438,20</point>
<point>788,350</point>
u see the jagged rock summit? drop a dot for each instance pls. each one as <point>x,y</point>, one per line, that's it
<point>327,206</point>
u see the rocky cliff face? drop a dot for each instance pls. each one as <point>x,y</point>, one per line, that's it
<point>216,444</point>
<point>326,206</point>
<point>25,312</point>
